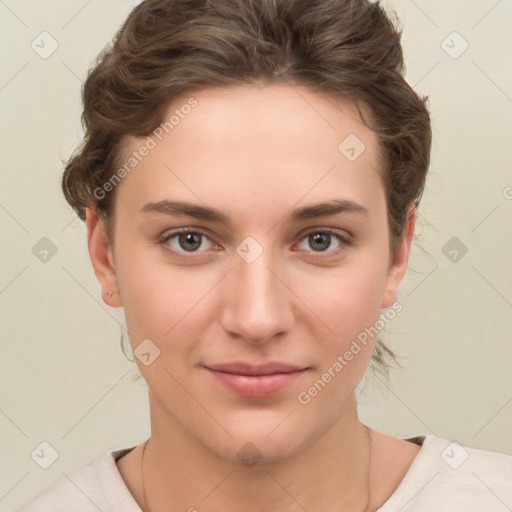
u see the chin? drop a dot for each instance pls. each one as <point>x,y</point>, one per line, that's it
<point>265,442</point>
<point>250,453</point>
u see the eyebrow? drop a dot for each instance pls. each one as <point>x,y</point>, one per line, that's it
<point>332,207</point>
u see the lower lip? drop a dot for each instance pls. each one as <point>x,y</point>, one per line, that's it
<point>257,386</point>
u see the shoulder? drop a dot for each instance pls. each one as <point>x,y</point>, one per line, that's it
<point>98,486</point>
<point>480,473</point>
<point>445,475</point>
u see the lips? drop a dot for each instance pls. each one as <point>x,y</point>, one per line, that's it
<point>256,381</point>
<point>242,368</point>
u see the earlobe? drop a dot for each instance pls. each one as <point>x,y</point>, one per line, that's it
<point>102,259</point>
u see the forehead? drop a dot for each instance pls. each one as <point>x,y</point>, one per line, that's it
<point>255,145</point>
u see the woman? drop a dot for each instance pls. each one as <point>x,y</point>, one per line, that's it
<point>249,178</point>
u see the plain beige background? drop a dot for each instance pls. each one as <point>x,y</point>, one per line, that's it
<point>64,379</point>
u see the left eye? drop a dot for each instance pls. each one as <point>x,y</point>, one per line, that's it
<point>190,241</point>
<point>322,240</point>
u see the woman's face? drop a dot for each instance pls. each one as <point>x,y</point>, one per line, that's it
<point>267,283</point>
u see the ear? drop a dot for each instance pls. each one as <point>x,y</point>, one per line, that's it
<point>398,267</point>
<point>102,259</point>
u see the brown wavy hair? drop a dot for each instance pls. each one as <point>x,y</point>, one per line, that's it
<point>345,48</point>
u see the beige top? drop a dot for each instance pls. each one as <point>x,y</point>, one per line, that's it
<point>443,476</point>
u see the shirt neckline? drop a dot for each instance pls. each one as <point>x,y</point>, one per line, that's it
<point>413,477</point>
<point>128,503</point>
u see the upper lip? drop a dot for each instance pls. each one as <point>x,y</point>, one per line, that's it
<point>255,369</point>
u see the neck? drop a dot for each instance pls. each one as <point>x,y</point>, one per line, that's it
<point>331,474</point>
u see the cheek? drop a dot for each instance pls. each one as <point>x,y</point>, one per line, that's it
<point>348,299</point>
<point>160,304</point>
<point>350,305</point>
<point>159,299</point>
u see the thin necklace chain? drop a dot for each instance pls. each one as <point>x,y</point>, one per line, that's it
<point>367,507</point>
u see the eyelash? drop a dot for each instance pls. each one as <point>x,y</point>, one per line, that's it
<point>345,240</point>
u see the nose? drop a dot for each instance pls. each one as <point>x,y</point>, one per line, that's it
<point>257,305</point>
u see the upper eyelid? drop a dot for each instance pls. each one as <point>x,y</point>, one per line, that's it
<point>177,231</point>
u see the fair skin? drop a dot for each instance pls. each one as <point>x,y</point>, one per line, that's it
<point>256,154</point>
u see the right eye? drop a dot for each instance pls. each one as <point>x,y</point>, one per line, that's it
<point>188,240</point>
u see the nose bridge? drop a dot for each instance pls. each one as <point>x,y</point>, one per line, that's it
<point>259,306</point>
